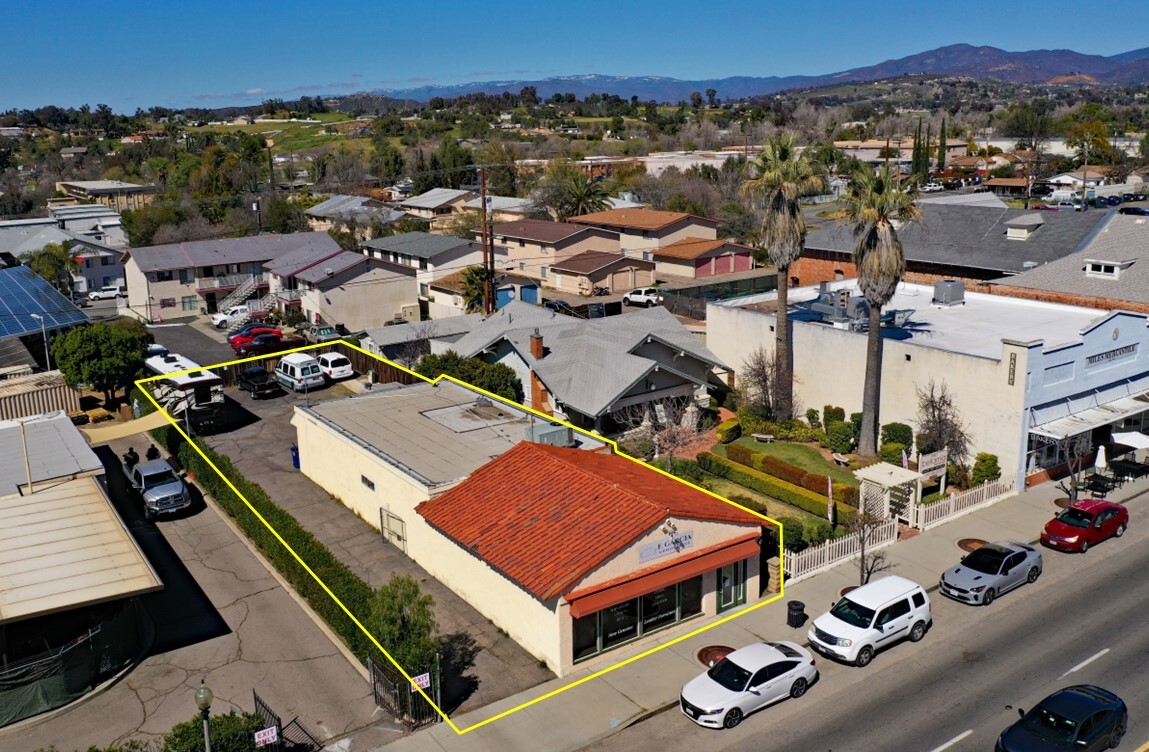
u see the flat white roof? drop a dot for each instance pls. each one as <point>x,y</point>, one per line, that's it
<point>64,547</point>
<point>175,363</point>
<point>975,328</point>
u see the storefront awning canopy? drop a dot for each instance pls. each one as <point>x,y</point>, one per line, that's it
<point>1132,439</point>
<point>1090,418</point>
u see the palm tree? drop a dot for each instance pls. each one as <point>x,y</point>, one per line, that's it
<point>581,195</point>
<point>473,286</point>
<point>783,174</point>
<point>874,204</point>
<point>55,264</point>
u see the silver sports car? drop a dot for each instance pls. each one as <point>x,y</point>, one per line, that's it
<point>991,570</point>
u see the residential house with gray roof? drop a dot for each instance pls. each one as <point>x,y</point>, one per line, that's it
<point>973,244</point>
<point>440,206</point>
<point>599,374</point>
<point>360,215</point>
<point>432,257</point>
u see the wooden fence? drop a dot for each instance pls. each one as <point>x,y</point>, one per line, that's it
<point>808,562</point>
<point>361,362</point>
<point>926,516</point>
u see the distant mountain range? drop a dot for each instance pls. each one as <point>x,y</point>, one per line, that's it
<point>1032,67</point>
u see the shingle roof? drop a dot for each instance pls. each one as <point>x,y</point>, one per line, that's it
<point>357,209</point>
<point>578,349</point>
<point>435,198</point>
<point>638,219</point>
<point>226,251</point>
<point>591,261</point>
<point>1122,238</point>
<point>296,261</point>
<point>329,267</point>
<point>417,244</point>
<point>973,237</point>
<point>538,230</point>
<point>547,516</point>
<point>450,326</point>
<point>692,248</point>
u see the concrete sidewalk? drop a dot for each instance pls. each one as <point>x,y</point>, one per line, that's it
<point>579,716</point>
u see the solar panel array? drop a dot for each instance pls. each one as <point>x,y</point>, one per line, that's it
<point>22,293</point>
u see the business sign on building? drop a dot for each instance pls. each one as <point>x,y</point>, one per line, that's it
<point>679,542</point>
<point>933,465</point>
<point>269,735</point>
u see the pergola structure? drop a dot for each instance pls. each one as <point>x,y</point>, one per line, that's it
<point>889,490</point>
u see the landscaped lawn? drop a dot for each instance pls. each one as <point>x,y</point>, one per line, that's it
<point>766,505</point>
<point>806,457</point>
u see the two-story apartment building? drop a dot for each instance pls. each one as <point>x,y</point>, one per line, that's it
<point>440,206</point>
<point>533,245</point>
<point>641,230</point>
<point>115,194</point>
<point>431,257</point>
<point>179,279</point>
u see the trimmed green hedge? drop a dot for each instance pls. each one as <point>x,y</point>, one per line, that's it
<point>729,430</point>
<point>345,584</point>
<point>787,493</point>
<point>892,452</point>
<point>782,470</point>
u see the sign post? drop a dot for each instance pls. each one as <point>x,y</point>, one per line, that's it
<point>933,465</point>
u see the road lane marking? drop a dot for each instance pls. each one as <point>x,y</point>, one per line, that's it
<point>955,740</point>
<point>1085,662</point>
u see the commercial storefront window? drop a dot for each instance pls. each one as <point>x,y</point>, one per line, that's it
<point>626,621</point>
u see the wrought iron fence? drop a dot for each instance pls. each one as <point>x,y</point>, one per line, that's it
<point>290,737</point>
<point>395,694</point>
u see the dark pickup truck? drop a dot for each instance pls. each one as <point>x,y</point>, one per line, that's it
<point>265,344</point>
<point>257,382</point>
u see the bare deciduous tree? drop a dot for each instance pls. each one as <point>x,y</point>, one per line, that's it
<point>758,382</point>
<point>939,424</point>
<point>1077,449</point>
<point>870,562</point>
<point>670,424</point>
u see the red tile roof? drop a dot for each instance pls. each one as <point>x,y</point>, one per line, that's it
<point>547,516</point>
<point>692,248</point>
<point>637,219</point>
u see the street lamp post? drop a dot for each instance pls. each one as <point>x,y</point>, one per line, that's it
<point>203,698</point>
<point>44,334</point>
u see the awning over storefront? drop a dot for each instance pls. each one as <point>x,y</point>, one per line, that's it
<point>609,594</point>
<point>1090,418</point>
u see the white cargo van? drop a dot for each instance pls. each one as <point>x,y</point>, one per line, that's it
<point>1061,195</point>
<point>299,371</point>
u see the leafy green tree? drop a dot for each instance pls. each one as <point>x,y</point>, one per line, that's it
<point>453,160</point>
<point>782,175</point>
<point>141,224</point>
<point>1090,141</point>
<point>402,618</point>
<point>465,225</point>
<point>230,732</point>
<point>503,177</point>
<point>284,217</point>
<point>875,203</point>
<point>496,378</point>
<point>55,263</point>
<point>104,356</point>
<point>387,161</point>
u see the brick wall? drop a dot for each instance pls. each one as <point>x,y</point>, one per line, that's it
<point>815,267</point>
<point>1048,296</point>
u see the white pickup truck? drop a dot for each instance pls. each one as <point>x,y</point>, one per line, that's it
<point>230,317</point>
<point>162,489</point>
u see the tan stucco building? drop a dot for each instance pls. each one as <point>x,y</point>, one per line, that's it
<point>532,246</point>
<point>647,229</point>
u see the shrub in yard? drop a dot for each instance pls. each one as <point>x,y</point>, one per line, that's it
<point>931,498</point>
<point>830,414</point>
<point>638,445</point>
<point>746,501</point>
<point>846,494</point>
<point>840,436</point>
<point>813,419</point>
<point>892,452</point>
<point>816,531</point>
<point>230,732</point>
<point>778,468</point>
<point>729,430</point>
<point>957,476</point>
<point>898,433</point>
<point>856,424</point>
<point>793,533</point>
<point>688,469</point>
<point>985,468</point>
<point>755,480</point>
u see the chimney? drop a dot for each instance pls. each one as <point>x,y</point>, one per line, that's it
<point>537,350</point>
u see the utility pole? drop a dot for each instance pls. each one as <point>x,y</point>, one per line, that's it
<point>487,302</point>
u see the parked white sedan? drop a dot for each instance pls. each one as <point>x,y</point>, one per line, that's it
<point>744,681</point>
<point>335,366</point>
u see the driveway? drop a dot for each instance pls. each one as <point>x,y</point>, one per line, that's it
<point>260,448</point>
<point>223,618</point>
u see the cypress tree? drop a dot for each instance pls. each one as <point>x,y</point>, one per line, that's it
<point>926,151</point>
<point>942,146</point>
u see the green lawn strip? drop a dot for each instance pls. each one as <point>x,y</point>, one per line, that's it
<point>806,457</point>
<point>763,504</point>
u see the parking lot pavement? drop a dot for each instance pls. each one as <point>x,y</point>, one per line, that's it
<point>260,449</point>
<point>221,617</point>
<point>191,339</point>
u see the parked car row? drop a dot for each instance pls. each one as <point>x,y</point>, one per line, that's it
<point>891,609</point>
<point>297,372</point>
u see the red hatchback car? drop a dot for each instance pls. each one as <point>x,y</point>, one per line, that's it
<point>1083,523</point>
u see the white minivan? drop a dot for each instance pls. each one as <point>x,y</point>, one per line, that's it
<point>299,371</point>
<point>870,618</point>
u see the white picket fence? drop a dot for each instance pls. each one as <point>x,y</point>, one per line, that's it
<point>815,559</point>
<point>924,517</point>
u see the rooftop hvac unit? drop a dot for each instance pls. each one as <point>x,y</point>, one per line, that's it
<point>554,434</point>
<point>949,292</point>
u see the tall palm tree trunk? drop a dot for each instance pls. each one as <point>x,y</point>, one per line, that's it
<point>871,392</point>
<point>782,381</point>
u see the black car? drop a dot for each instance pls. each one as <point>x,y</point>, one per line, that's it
<point>258,383</point>
<point>1140,211</point>
<point>560,306</point>
<point>1114,200</point>
<point>1127,197</point>
<point>1083,717</point>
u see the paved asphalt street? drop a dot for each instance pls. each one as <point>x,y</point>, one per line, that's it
<point>1082,622</point>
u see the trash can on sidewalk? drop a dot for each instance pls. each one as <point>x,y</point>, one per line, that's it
<point>295,458</point>
<point>795,613</point>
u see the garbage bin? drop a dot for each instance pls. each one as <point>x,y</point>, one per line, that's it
<point>795,613</point>
<point>295,458</point>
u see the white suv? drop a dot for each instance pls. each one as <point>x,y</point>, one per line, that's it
<point>107,292</point>
<point>645,296</point>
<point>872,617</point>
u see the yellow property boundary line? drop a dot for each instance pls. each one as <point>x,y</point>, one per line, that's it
<point>175,424</point>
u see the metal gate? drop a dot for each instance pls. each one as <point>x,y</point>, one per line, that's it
<point>290,738</point>
<point>393,528</point>
<point>397,696</point>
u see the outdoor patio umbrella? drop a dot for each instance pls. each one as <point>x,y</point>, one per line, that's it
<point>1100,463</point>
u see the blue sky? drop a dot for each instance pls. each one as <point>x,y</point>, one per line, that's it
<point>209,53</point>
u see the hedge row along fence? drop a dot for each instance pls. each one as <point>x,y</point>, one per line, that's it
<point>344,584</point>
<point>792,474</point>
<point>785,492</point>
